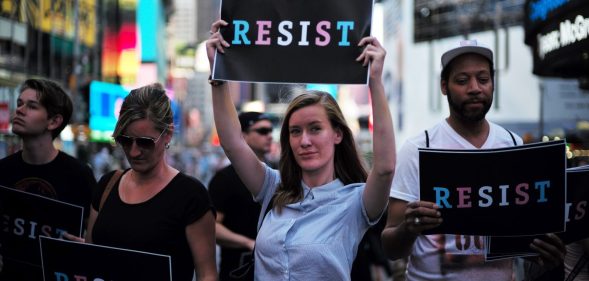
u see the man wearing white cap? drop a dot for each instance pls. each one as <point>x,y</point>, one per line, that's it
<point>467,80</point>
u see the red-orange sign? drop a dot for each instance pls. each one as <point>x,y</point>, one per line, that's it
<point>4,116</point>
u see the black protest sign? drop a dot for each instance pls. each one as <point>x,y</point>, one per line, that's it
<point>502,192</point>
<point>66,260</point>
<point>285,41</point>
<point>25,216</point>
<point>577,219</point>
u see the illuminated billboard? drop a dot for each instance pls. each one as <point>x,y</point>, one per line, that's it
<point>105,103</point>
<point>557,32</point>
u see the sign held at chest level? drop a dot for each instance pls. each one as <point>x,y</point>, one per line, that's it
<point>479,191</point>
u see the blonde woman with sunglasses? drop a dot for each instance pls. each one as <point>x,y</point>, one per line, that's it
<point>154,207</point>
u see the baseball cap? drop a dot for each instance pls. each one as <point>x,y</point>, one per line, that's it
<point>466,47</point>
<point>247,119</point>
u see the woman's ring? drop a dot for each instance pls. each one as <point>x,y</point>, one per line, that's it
<point>417,221</point>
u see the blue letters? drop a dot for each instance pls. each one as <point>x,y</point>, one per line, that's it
<point>345,26</point>
<point>541,185</point>
<point>241,27</point>
<point>61,276</point>
<point>442,198</point>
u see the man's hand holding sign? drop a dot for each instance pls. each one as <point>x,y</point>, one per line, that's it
<point>421,216</point>
<point>501,192</point>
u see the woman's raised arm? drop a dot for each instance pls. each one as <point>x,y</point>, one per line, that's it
<point>246,164</point>
<point>378,184</point>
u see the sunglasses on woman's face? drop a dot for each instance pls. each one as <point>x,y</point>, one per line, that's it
<point>262,130</point>
<point>142,142</point>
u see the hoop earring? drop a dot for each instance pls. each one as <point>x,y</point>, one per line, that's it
<point>167,146</point>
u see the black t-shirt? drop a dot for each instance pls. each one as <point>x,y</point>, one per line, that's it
<point>233,199</point>
<point>65,179</point>
<point>157,225</point>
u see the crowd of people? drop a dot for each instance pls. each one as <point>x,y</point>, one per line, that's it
<point>302,219</point>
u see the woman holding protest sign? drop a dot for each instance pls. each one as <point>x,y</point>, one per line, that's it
<point>321,200</point>
<point>153,207</point>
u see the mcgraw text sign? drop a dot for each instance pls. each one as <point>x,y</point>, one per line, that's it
<point>301,41</point>
<point>502,192</point>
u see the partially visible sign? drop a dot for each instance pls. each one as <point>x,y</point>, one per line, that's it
<point>25,216</point>
<point>66,260</point>
<point>577,220</point>
<point>576,216</point>
<point>503,192</point>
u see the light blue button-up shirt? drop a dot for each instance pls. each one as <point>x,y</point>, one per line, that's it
<point>315,239</point>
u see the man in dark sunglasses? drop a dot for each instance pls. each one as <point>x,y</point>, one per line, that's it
<point>237,213</point>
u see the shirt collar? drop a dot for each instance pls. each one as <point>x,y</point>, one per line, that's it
<point>322,189</point>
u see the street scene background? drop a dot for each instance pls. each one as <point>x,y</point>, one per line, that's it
<point>541,86</point>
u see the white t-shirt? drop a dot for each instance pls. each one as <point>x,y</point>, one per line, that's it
<point>447,257</point>
<point>574,253</point>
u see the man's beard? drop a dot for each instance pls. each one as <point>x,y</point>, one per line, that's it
<point>463,113</point>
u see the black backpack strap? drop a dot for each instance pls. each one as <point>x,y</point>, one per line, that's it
<point>578,267</point>
<point>427,139</point>
<point>512,137</point>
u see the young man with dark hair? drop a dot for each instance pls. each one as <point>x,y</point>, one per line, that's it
<point>237,213</point>
<point>43,110</point>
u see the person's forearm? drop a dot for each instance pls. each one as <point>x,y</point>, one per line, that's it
<point>383,140</point>
<point>201,239</point>
<point>210,277</point>
<point>226,120</point>
<point>230,239</point>
<point>207,270</point>
<point>379,181</point>
<point>397,242</point>
<point>246,163</point>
